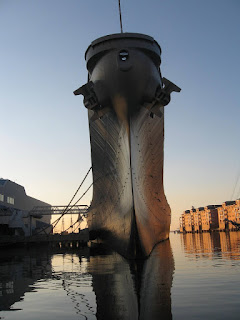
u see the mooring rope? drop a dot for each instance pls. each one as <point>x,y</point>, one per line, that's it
<point>68,207</point>
<point>78,188</point>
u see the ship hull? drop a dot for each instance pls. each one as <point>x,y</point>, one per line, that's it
<point>152,211</point>
<point>129,210</point>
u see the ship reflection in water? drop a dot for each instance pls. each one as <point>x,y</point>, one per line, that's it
<point>135,290</point>
<point>81,284</point>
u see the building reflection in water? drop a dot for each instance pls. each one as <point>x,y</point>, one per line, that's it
<point>133,290</point>
<point>19,270</point>
<point>226,244</point>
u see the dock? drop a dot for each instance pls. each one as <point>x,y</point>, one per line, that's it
<point>62,240</point>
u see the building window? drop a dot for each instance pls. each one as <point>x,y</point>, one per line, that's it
<point>10,200</point>
<point>1,197</point>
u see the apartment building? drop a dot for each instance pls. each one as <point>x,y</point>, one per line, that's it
<point>229,211</point>
<point>209,218</point>
<point>198,220</point>
<point>182,223</point>
<point>188,221</point>
<point>205,218</point>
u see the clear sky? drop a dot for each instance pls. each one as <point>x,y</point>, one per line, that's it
<point>44,127</point>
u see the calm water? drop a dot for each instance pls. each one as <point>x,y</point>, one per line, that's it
<point>188,277</point>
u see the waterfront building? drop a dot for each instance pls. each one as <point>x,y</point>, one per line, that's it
<point>205,221</point>
<point>229,211</point>
<point>193,214</point>
<point>222,216</point>
<point>188,218</point>
<point>15,206</point>
<point>209,217</point>
<point>237,210</point>
<point>229,206</point>
<point>198,220</point>
<point>212,217</point>
<point>182,223</point>
<point>226,212</point>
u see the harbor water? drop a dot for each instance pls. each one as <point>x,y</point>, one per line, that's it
<point>192,276</point>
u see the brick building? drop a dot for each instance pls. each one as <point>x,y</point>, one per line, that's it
<point>204,218</point>
<point>188,221</point>
<point>198,220</point>
<point>230,210</point>
<point>182,223</point>
<point>209,218</point>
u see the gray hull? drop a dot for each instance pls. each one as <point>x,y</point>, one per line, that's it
<point>129,209</point>
<point>124,95</point>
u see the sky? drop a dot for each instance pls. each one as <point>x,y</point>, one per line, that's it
<point>44,128</point>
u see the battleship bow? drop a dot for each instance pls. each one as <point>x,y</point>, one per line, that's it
<point>125,96</point>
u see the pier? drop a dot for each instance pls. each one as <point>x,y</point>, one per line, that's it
<point>27,221</point>
<point>63,240</point>
<point>45,234</point>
